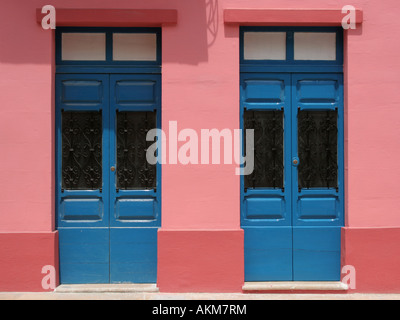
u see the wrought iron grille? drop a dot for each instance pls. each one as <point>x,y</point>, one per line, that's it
<point>133,170</point>
<point>317,147</point>
<point>268,149</point>
<point>81,150</point>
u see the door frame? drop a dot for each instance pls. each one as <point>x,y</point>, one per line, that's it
<point>291,67</point>
<point>107,69</point>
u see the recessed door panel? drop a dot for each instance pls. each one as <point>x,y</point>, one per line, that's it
<point>264,91</point>
<point>84,255</point>
<point>136,209</point>
<point>76,209</point>
<point>266,201</point>
<point>135,92</point>
<point>133,255</point>
<point>265,208</point>
<point>322,91</point>
<point>85,91</point>
<point>324,208</point>
<point>268,253</point>
<point>316,253</point>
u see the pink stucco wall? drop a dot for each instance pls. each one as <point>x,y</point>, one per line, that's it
<point>200,83</point>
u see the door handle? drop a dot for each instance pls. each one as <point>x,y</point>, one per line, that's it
<point>295,161</point>
<point>112,168</point>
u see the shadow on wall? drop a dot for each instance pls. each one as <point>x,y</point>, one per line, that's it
<point>22,40</point>
<point>212,15</point>
<point>197,29</point>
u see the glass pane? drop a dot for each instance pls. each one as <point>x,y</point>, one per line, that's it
<point>81,150</point>
<point>268,149</point>
<point>314,46</point>
<point>317,144</point>
<point>134,47</point>
<point>265,45</point>
<point>133,170</point>
<point>83,46</point>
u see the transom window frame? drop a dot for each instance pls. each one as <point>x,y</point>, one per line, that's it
<point>290,62</point>
<point>108,31</point>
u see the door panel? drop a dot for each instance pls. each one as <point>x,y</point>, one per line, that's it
<point>317,184</point>
<point>266,201</point>
<point>317,141</point>
<point>266,109</point>
<point>268,253</point>
<point>135,108</point>
<point>82,181</point>
<point>316,253</point>
<point>133,255</point>
<point>84,255</point>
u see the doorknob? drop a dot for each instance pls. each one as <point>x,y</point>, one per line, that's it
<point>295,161</point>
<point>112,168</point>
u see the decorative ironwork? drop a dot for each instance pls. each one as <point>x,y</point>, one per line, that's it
<point>81,150</point>
<point>317,147</point>
<point>268,149</point>
<point>133,170</point>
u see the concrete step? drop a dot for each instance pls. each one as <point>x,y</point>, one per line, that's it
<point>107,288</point>
<point>295,286</point>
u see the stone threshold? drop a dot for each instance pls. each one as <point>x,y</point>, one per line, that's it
<point>107,288</point>
<point>295,286</point>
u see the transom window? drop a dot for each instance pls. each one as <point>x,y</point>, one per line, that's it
<point>108,46</point>
<point>291,46</point>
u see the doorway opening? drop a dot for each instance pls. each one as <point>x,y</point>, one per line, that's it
<point>108,197</point>
<point>292,205</point>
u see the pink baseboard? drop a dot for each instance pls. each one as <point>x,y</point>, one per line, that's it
<point>375,254</point>
<point>200,261</point>
<point>22,257</point>
<point>205,261</point>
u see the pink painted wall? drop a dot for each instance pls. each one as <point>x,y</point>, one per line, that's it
<point>200,90</point>
<point>26,132</point>
<point>373,118</point>
<point>200,75</point>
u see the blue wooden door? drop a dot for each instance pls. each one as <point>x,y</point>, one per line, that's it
<point>318,183</point>
<point>107,196</point>
<point>292,204</point>
<point>135,189</point>
<point>266,198</point>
